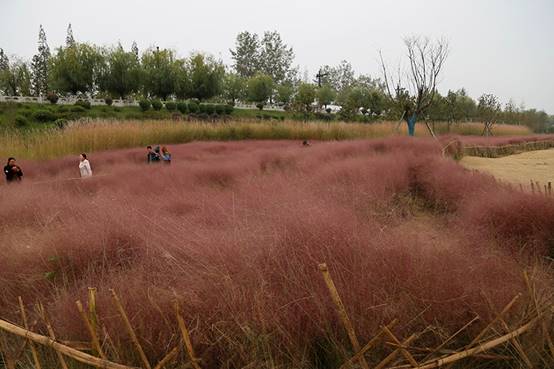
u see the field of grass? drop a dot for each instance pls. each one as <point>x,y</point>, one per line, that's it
<point>98,135</point>
<point>235,231</point>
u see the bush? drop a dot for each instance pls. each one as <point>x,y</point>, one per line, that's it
<point>193,107</point>
<point>62,108</point>
<point>84,103</point>
<point>77,109</point>
<point>220,109</point>
<point>157,105</point>
<point>210,109</point>
<point>44,116</point>
<point>52,97</point>
<point>202,108</point>
<point>21,121</point>
<point>229,109</point>
<point>108,101</point>
<point>60,123</point>
<point>144,104</point>
<point>170,105</point>
<point>182,107</point>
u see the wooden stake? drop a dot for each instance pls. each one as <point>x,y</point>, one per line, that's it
<point>130,330</point>
<point>93,319</point>
<point>26,325</point>
<point>538,187</point>
<point>91,331</point>
<point>342,313</point>
<point>532,187</point>
<point>395,353</point>
<point>368,346</point>
<point>51,333</point>
<point>186,337</point>
<point>59,348</point>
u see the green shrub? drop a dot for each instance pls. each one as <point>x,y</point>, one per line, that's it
<point>77,109</point>
<point>202,108</point>
<point>229,109</point>
<point>144,104</point>
<point>21,121</point>
<point>210,109</point>
<point>182,107</point>
<point>157,105</point>
<point>108,101</point>
<point>62,108</point>
<point>52,97</point>
<point>219,109</point>
<point>193,107</point>
<point>44,116</point>
<point>170,105</point>
<point>60,123</point>
<point>84,103</point>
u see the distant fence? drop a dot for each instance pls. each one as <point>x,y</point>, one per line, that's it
<point>505,150</point>
<point>115,102</point>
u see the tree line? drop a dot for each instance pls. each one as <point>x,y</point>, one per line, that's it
<point>262,72</point>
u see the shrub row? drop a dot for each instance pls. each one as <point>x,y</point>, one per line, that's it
<point>185,107</point>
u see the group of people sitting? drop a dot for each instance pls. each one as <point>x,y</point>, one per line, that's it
<point>156,155</point>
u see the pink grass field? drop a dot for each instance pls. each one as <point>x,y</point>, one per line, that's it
<point>235,232</point>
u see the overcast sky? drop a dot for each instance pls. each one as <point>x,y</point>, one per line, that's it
<point>504,47</point>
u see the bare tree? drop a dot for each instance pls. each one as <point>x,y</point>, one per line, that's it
<point>488,108</point>
<point>413,91</point>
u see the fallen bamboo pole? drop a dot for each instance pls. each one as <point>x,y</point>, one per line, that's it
<point>186,337</point>
<point>533,297</point>
<point>450,338</point>
<point>92,332</point>
<point>403,350</point>
<point>51,333</point>
<point>480,348</point>
<point>396,352</point>
<point>167,358</point>
<point>58,347</point>
<point>26,325</point>
<point>368,346</point>
<point>341,310</point>
<point>130,330</point>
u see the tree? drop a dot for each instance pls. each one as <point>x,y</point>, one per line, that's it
<point>121,72</point>
<point>305,96</point>
<point>325,95</point>
<point>15,77</point>
<point>246,55</point>
<point>260,89</point>
<point>275,57</point>
<point>159,72</point>
<point>489,108</point>
<point>284,94</point>
<point>339,77</point>
<point>69,39</point>
<point>206,76</point>
<point>415,93</point>
<point>76,69</point>
<point>39,65</point>
<point>135,50</point>
<point>234,87</point>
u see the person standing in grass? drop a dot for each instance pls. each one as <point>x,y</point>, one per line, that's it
<point>12,171</point>
<point>166,155</point>
<point>84,166</point>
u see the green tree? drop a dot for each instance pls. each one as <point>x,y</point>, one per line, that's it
<point>234,87</point>
<point>206,76</point>
<point>69,39</point>
<point>260,89</point>
<point>121,72</point>
<point>305,96</point>
<point>15,77</point>
<point>284,94</point>
<point>275,57</point>
<point>246,56</point>
<point>338,77</point>
<point>325,95</point>
<point>159,72</point>
<point>39,65</point>
<point>76,69</point>
<point>489,109</point>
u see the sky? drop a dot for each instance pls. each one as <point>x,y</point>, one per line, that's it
<point>503,47</point>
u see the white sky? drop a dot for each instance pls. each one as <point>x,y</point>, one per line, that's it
<point>504,47</point>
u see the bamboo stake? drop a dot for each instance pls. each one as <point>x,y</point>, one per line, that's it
<point>533,296</point>
<point>186,337</point>
<point>52,335</point>
<point>480,348</point>
<point>167,358</point>
<point>395,353</point>
<point>92,332</point>
<point>517,345</point>
<point>538,187</point>
<point>342,313</point>
<point>93,319</point>
<point>368,346</point>
<point>450,338</point>
<point>26,325</point>
<point>403,350</point>
<point>532,187</point>
<point>549,188</point>
<point>59,348</point>
<point>130,330</point>
<point>521,187</point>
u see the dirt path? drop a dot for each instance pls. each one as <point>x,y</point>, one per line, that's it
<point>520,168</point>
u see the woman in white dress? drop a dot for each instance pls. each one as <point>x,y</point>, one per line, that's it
<point>84,166</point>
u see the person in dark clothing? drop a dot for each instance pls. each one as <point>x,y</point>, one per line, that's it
<point>152,156</point>
<point>12,171</point>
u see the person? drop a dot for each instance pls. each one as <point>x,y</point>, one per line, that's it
<point>166,155</point>
<point>84,166</point>
<point>305,143</point>
<point>12,171</point>
<point>152,156</point>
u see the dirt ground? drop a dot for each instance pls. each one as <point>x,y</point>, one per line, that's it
<point>520,168</point>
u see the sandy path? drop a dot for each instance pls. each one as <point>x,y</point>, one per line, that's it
<point>520,168</point>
